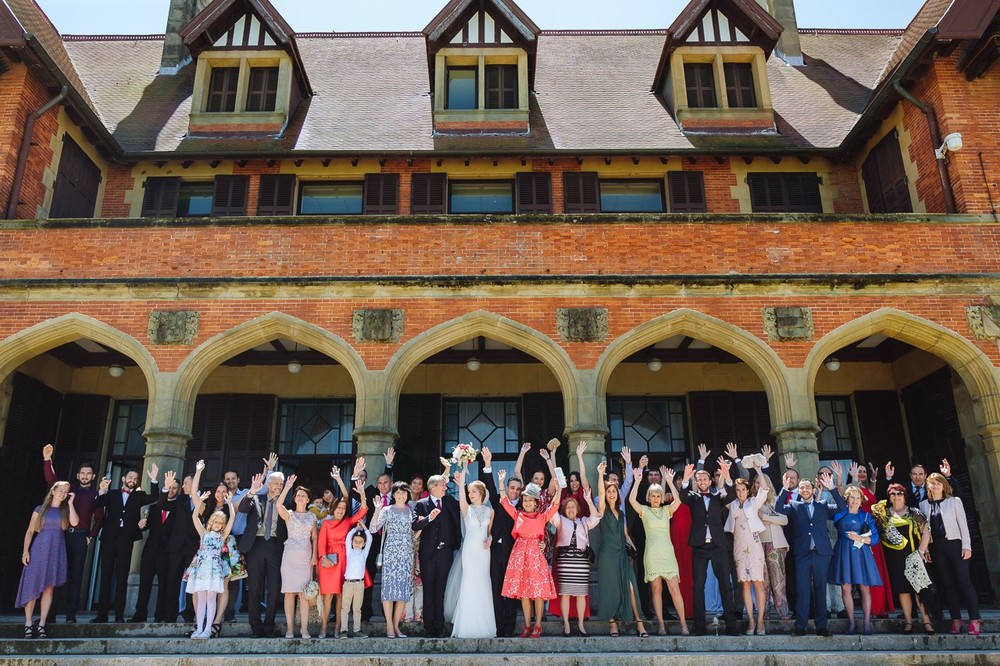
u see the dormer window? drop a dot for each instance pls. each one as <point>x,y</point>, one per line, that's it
<point>463,86</point>
<point>501,87</point>
<point>263,93</point>
<point>222,90</point>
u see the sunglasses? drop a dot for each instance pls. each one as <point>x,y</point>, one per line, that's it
<point>896,494</point>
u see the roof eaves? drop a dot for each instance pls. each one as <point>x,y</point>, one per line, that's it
<point>12,32</point>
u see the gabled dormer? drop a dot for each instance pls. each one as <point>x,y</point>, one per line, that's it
<point>249,76</point>
<point>481,55</point>
<point>713,71</point>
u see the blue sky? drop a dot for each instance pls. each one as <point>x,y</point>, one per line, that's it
<point>149,16</point>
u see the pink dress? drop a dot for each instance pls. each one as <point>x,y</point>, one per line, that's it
<point>528,575</point>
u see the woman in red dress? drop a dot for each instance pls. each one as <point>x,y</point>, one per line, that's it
<point>332,551</point>
<point>528,577</point>
<point>882,599</point>
<point>680,527</point>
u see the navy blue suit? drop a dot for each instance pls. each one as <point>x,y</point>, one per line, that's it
<point>813,549</point>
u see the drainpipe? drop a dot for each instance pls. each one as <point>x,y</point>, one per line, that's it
<point>932,124</point>
<point>22,155</point>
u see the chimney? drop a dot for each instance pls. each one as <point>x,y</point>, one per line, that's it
<point>175,54</point>
<point>788,47</point>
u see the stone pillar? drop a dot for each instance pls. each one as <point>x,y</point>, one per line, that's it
<point>984,471</point>
<point>594,436</point>
<point>167,449</point>
<point>372,443</point>
<point>6,391</point>
<point>799,438</point>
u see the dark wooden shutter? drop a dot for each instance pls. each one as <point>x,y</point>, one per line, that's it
<point>231,431</point>
<point>719,417</point>
<point>543,418</point>
<point>534,193</point>
<point>160,199</point>
<point>381,194</point>
<point>581,192</point>
<point>784,193</point>
<point>75,192</point>
<point>222,88</point>
<point>501,87</point>
<point>428,192</point>
<point>699,79</point>
<point>263,89</point>
<point>230,196</point>
<point>885,178</point>
<point>81,432</point>
<point>880,424</point>
<point>419,445</point>
<point>687,191</point>
<point>739,85</point>
<point>277,195</point>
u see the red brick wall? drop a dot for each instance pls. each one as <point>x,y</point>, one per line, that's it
<point>20,95</point>
<point>719,181</point>
<point>119,181</point>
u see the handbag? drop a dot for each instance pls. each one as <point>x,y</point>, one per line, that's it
<point>630,550</point>
<point>311,591</point>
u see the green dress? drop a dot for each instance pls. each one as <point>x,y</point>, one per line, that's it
<point>658,557</point>
<point>614,570</point>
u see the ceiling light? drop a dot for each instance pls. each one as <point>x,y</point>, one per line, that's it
<point>832,364</point>
<point>116,370</point>
<point>294,366</point>
<point>473,364</point>
<point>654,364</point>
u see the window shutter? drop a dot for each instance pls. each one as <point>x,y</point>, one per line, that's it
<point>534,193</point>
<point>75,191</point>
<point>687,192</point>
<point>785,193</point>
<point>581,192</point>
<point>885,178</point>
<point>160,199</point>
<point>230,197</point>
<point>381,194</point>
<point>277,195</point>
<point>428,192</point>
<point>700,82</point>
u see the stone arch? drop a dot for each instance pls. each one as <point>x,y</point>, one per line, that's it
<point>210,354</point>
<point>490,325</point>
<point>968,360</point>
<point>750,349</point>
<point>43,336</point>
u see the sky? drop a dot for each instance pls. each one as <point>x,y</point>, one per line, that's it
<point>149,16</point>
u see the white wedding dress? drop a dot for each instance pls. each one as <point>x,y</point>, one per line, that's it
<point>468,599</point>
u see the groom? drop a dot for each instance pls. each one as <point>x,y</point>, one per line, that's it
<point>504,609</point>
<point>437,517</point>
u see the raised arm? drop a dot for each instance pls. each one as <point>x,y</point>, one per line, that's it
<point>232,518</point>
<point>199,505</point>
<point>588,497</point>
<point>196,481</point>
<point>519,465</point>
<point>550,461</point>
<point>335,475</point>
<point>463,501</point>
<point>634,492</point>
<point>47,467</point>
<point>601,490</point>
<point>667,474</point>
<point>581,448</point>
<point>280,502</point>
<point>255,485</point>
<point>74,519</point>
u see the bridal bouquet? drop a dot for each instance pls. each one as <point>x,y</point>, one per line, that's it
<point>464,455</point>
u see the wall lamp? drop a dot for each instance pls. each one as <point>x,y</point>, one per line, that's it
<point>952,143</point>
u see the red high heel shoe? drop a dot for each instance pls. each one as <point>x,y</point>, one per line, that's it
<point>956,626</point>
<point>974,627</point>
<point>536,632</point>
<point>526,632</point>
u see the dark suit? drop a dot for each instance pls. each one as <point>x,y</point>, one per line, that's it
<point>371,494</point>
<point>182,544</point>
<point>716,549</point>
<point>504,609</point>
<point>439,540</point>
<point>812,553</point>
<point>263,562</point>
<point>154,562</point>
<point>118,535</point>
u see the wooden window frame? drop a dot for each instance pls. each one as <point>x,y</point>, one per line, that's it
<point>500,89</point>
<point>262,89</point>
<point>740,93</point>
<point>601,182</point>
<point>496,181</point>
<point>304,185</point>
<point>447,86</point>
<point>223,90</point>
<point>697,89</point>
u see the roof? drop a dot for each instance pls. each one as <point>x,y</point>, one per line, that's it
<point>591,94</point>
<point>927,17</point>
<point>440,24</point>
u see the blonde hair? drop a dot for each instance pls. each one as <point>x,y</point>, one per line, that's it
<point>47,504</point>
<point>854,490</point>
<point>217,514</point>
<point>481,487</point>
<point>654,489</point>
<point>765,480</point>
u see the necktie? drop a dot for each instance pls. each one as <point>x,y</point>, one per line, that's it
<point>812,541</point>
<point>268,517</point>
<point>385,500</point>
<point>437,504</point>
<point>163,517</point>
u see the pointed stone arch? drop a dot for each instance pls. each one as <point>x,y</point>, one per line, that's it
<point>49,334</point>
<point>470,325</point>
<point>741,343</point>
<point>964,357</point>
<point>210,354</point>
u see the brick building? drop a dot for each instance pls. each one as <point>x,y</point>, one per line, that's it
<point>233,239</point>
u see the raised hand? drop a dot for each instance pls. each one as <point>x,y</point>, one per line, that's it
<point>703,452</point>
<point>853,470</point>
<point>334,472</point>
<point>169,477</point>
<point>487,456</point>
<point>637,474</point>
<point>889,470</point>
<point>503,475</point>
<point>601,467</point>
<point>946,470</point>
<point>627,456</point>
<point>359,466</point>
<point>105,484</point>
<point>154,471</point>
<point>724,467</point>
<point>204,496</point>
<point>826,480</point>
<point>767,451</point>
<point>290,480</point>
<point>445,463</point>
<point>790,460</point>
<point>389,456</point>
<point>271,461</point>
<point>667,473</point>
<point>256,483</point>
<point>838,470</point>
<point>229,498</point>
<point>643,462</point>
<point>688,472</point>
<point>732,451</point>
<point>588,495</point>
<point>47,452</point>
<point>581,448</point>
<point>544,453</point>
<point>200,465</point>
<point>525,447</point>
<point>874,471</point>
<point>359,487</point>
<point>460,478</point>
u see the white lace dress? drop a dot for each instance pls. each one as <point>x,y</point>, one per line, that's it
<point>469,594</point>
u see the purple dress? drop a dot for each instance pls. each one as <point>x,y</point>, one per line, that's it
<point>47,559</point>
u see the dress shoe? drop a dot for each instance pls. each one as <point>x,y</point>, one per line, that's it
<point>798,632</point>
<point>99,619</point>
<point>119,620</point>
<point>824,632</point>
<point>70,618</point>
<point>258,632</point>
<point>137,618</point>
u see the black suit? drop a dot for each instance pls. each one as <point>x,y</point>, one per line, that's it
<point>714,548</point>
<point>439,539</point>
<point>118,535</point>
<point>371,494</point>
<point>182,544</point>
<point>155,562</point>
<point>263,561</point>
<point>504,609</point>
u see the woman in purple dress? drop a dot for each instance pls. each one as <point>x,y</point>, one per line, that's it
<point>44,555</point>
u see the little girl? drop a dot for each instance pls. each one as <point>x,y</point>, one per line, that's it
<point>206,577</point>
<point>528,577</point>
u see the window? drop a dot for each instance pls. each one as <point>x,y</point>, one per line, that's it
<point>785,193</point>
<point>230,195</point>
<point>222,90</point>
<point>482,197</point>
<point>739,85</point>
<point>381,194</point>
<point>501,87</point>
<point>276,195</point>
<point>75,191</point>
<point>836,431</point>
<point>648,425</point>
<point>463,88</point>
<point>331,198</point>
<point>315,428</point>
<point>631,196</point>
<point>885,178</point>
<point>195,199</point>
<point>493,423</point>
<point>687,191</point>
<point>534,193</point>
<point>263,89</point>
<point>700,81</point>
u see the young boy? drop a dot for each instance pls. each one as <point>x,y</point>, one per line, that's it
<point>354,580</point>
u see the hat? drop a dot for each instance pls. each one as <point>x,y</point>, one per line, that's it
<point>532,490</point>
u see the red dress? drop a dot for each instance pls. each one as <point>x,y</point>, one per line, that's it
<point>528,575</point>
<point>680,527</point>
<point>332,536</point>
<point>882,601</point>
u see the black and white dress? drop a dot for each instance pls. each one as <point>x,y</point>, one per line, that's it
<point>571,566</point>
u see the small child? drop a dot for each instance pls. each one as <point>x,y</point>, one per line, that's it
<point>206,577</point>
<point>355,580</point>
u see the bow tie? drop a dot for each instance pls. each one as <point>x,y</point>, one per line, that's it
<point>126,491</point>
<point>706,494</point>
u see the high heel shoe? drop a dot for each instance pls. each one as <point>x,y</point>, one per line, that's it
<point>583,633</point>
<point>640,630</point>
<point>956,626</point>
<point>850,630</point>
<point>973,627</point>
<point>614,628</point>
<point>526,632</point>
<point>929,628</point>
<point>908,628</point>
<point>536,632</point>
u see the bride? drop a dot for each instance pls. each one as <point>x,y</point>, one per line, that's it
<point>469,580</point>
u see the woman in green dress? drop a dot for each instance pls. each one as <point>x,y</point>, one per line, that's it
<point>614,568</point>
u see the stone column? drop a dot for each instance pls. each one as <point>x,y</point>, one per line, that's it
<point>594,436</point>
<point>799,438</point>
<point>984,470</point>
<point>374,441</point>
<point>6,391</point>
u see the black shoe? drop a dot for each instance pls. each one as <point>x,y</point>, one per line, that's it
<point>842,615</point>
<point>119,620</point>
<point>100,619</point>
<point>824,632</point>
<point>258,632</point>
<point>798,632</point>
<point>137,618</point>
<point>70,618</point>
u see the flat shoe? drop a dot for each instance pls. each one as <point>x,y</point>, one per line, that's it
<point>761,632</point>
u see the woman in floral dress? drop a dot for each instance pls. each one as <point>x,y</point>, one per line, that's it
<point>298,558</point>
<point>745,525</point>
<point>397,556</point>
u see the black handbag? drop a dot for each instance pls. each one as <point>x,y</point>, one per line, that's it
<point>630,550</point>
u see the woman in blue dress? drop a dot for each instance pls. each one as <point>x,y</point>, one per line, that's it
<point>853,562</point>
